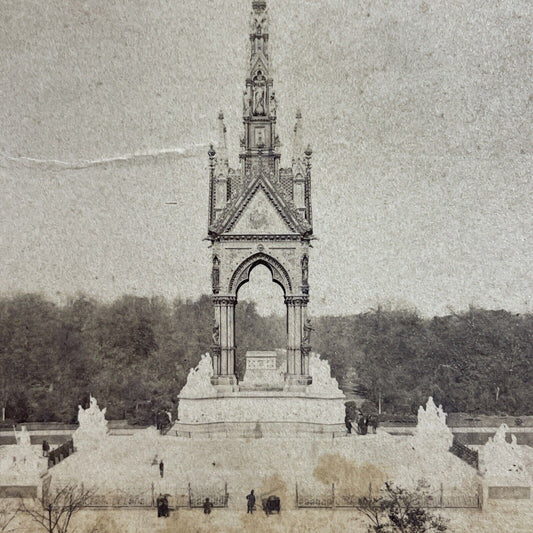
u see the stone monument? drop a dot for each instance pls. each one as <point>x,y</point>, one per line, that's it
<point>432,435</point>
<point>502,462</point>
<point>21,464</point>
<point>260,214</point>
<point>92,431</point>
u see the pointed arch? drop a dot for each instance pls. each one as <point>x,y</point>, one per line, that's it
<point>242,273</point>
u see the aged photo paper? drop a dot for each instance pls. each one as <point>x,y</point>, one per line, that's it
<point>266,265</point>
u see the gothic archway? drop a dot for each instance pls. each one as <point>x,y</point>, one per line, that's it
<point>242,273</point>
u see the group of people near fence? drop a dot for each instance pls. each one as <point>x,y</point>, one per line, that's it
<point>363,423</point>
<point>271,504</point>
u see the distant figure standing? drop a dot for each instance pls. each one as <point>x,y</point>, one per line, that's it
<point>160,506</point>
<point>161,468</point>
<point>207,506</point>
<point>164,506</point>
<point>373,422</point>
<point>348,423</point>
<point>251,502</point>
<point>46,448</point>
<point>362,424</point>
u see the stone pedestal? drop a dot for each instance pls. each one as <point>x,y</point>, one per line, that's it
<point>267,399</point>
<point>262,372</point>
<point>224,383</point>
<point>281,408</point>
<point>296,383</point>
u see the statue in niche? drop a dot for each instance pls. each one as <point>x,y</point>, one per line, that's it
<point>307,332</point>
<point>215,274</point>
<point>273,104</point>
<point>305,270</point>
<point>246,104</point>
<point>259,94</point>
<point>216,333</point>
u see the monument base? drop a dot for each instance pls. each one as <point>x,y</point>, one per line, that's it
<point>297,383</point>
<point>266,402</point>
<point>260,413</point>
<point>224,383</point>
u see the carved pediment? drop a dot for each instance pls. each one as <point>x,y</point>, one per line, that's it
<point>260,217</point>
<point>260,210</point>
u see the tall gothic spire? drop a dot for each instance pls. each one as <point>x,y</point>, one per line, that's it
<point>288,188</point>
<point>259,100</point>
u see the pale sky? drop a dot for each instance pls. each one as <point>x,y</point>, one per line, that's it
<point>419,113</point>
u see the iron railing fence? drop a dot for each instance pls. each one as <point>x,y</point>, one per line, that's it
<point>332,498</point>
<point>190,496</point>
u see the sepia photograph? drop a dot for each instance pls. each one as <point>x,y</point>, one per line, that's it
<point>265,266</point>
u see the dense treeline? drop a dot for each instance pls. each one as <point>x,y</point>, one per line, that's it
<point>134,355</point>
<point>478,361</point>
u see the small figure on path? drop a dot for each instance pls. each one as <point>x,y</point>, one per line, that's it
<point>251,502</point>
<point>348,423</point>
<point>161,468</point>
<point>373,422</point>
<point>164,506</point>
<point>362,424</point>
<point>161,511</point>
<point>207,506</point>
<point>46,448</point>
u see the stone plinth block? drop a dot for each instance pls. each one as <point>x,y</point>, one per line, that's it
<point>271,406</point>
<point>262,370</point>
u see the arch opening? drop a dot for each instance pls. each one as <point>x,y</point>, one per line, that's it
<point>242,273</point>
<point>260,315</point>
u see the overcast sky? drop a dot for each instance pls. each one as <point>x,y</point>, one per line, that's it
<point>419,114</point>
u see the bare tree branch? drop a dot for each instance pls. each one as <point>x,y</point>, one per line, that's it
<point>54,512</point>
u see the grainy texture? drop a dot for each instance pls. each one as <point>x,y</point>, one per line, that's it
<point>419,114</point>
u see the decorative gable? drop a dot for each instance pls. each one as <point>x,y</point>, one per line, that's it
<point>260,209</point>
<point>260,216</point>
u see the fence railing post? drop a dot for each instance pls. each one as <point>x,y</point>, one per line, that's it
<point>441,494</point>
<point>190,497</point>
<point>297,501</point>
<point>333,495</point>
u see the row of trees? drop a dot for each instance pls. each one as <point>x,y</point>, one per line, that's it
<point>478,361</point>
<point>134,355</point>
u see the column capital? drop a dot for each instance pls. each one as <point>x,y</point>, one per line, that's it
<point>296,300</point>
<point>224,300</point>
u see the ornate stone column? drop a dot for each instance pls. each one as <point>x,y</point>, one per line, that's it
<point>297,354</point>
<point>224,366</point>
